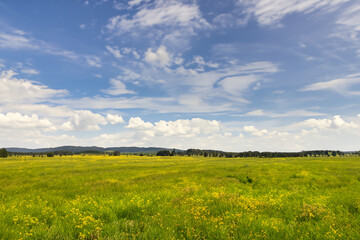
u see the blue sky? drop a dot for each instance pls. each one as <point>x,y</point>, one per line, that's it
<point>235,75</point>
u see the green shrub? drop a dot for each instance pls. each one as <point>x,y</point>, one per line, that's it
<point>3,153</point>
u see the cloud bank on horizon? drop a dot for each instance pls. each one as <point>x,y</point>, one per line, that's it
<point>234,75</point>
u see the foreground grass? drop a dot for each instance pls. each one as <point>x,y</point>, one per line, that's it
<point>131,197</point>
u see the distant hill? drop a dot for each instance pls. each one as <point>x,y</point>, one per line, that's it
<point>78,149</point>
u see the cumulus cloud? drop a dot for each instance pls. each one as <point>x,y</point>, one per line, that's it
<point>180,127</point>
<point>13,90</point>
<point>15,120</point>
<point>84,120</point>
<point>160,57</point>
<point>186,127</point>
<point>336,123</point>
<point>263,132</point>
<point>114,119</point>
<point>254,131</point>
<point>139,124</point>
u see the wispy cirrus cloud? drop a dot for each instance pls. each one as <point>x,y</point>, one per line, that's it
<point>268,12</point>
<point>19,40</point>
<point>161,13</point>
<point>162,22</point>
<point>15,39</point>
<point>339,85</point>
<point>291,113</point>
<point>117,87</point>
<point>14,90</point>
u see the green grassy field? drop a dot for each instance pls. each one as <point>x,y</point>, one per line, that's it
<point>132,197</point>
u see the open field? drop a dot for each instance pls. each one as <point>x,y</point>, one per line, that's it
<point>132,197</point>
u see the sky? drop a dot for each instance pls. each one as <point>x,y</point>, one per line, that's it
<point>233,75</point>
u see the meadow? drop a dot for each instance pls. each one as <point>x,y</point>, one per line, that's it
<point>142,197</point>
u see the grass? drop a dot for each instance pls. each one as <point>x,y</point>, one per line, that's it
<point>132,197</point>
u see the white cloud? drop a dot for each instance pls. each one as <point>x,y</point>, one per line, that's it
<point>161,57</point>
<point>17,39</point>
<point>31,138</point>
<point>30,71</point>
<point>117,88</point>
<point>291,113</point>
<point>256,113</point>
<point>186,127</point>
<point>84,120</point>
<point>178,60</point>
<point>348,26</point>
<point>228,20</point>
<point>128,75</point>
<point>13,90</point>
<point>139,124</point>
<point>114,51</point>
<point>209,91</point>
<point>204,134</point>
<point>133,3</point>
<point>133,51</point>
<point>340,85</point>
<point>114,119</point>
<point>15,120</point>
<point>238,84</point>
<point>336,123</point>
<point>164,13</point>
<point>180,127</point>
<point>2,65</point>
<point>93,61</point>
<point>199,60</point>
<point>264,132</point>
<point>59,52</point>
<point>271,12</point>
<point>254,131</point>
<point>350,19</point>
<point>39,109</point>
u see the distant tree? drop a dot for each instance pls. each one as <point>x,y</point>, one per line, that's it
<point>50,154</point>
<point>163,153</point>
<point>4,153</point>
<point>116,153</point>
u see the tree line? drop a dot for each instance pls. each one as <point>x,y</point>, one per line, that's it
<point>215,153</point>
<point>193,152</point>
